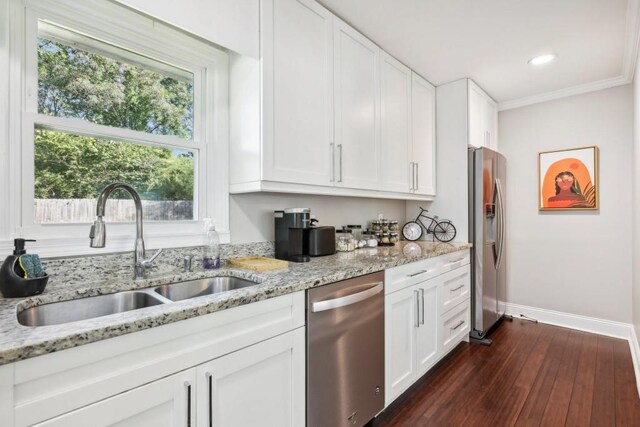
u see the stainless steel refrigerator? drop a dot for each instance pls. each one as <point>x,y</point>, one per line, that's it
<point>487,181</point>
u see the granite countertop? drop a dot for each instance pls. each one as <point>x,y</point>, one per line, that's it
<point>19,342</point>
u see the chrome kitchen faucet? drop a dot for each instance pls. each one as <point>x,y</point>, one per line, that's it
<point>98,234</point>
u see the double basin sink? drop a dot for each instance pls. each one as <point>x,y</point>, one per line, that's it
<point>88,308</point>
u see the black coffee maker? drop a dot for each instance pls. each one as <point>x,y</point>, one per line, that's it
<point>292,226</point>
<point>297,239</point>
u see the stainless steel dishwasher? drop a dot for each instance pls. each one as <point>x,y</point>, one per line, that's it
<point>345,352</point>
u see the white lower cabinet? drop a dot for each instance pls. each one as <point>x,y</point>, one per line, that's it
<point>167,402</point>
<point>421,325</point>
<point>260,385</point>
<point>238,367</point>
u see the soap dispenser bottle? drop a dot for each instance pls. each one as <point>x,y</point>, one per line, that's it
<point>13,283</point>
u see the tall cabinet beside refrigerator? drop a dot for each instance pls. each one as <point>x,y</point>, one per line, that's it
<point>487,181</point>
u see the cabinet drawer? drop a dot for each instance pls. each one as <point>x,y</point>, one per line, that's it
<point>403,276</point>
<point>400,277</point>
<point>454,260</point>
<point>455,288</point>
<point>454,326</point>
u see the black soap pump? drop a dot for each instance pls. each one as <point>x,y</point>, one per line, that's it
<point>12,281</point>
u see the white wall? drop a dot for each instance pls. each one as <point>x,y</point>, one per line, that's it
<point>252,214</point>
<point>451,201</point>
<point>635,236</point>
<point>573,262</point>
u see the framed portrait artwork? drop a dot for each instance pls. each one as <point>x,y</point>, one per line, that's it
<point>568,179</point>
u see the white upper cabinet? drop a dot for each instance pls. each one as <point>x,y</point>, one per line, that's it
<point>298,50</point>
<point>233,24</point>
<point>395,119</point>
<point>423,124</point>
<point>357,107</point>
<point>483,118</point>
<point>325,111</point>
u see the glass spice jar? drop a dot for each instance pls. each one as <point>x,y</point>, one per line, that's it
<point>385,238</point>
<point>371,240</point>
<point>393,237</point>
<point>376,226</point>
<point>393,225</point>
<point>384,225</point>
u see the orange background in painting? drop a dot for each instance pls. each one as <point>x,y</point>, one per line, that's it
<point>575,166</point>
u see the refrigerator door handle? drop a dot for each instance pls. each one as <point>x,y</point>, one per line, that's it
<point>501,223</point>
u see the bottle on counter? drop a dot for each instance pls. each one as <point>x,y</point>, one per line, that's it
<point>211,252</point>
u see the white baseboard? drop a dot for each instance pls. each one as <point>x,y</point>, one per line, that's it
<point>635,355</point>
<point>573,321</point>
<point>583,323</point>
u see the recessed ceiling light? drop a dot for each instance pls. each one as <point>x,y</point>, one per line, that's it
<point>542,59</point>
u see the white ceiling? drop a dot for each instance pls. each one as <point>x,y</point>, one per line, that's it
<point>492,40</point>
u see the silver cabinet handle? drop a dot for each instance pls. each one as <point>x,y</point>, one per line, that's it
<point>458,325</point>
<point>347,300</point>
<point>416,186</point>
<point>187,386</point>
<point>411,166</point>
<point>456,289</point>
<point>422,311</point>
<point>455,260</point>
<point>340,162</point>
<point>332,147</point>
<point>418,273</point>
<point>210,385</point>
<point>417,294</point>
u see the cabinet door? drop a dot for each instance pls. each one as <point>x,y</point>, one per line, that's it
<point>427,332</point>
<point>395,125</point>
<point>298,92</point>
<point>491,124</point>
<point>423,123</point>
<point>401,322</point>
<point>167,402</point>
<point>263,384</point>
<point>357,105</point>
<point>476,116</point>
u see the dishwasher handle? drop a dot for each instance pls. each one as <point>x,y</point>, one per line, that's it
<point>347,300</point>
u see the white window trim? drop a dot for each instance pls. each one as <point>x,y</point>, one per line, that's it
<point>121,26</point>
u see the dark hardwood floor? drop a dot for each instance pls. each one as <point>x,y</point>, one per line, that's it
<point>532,375</point>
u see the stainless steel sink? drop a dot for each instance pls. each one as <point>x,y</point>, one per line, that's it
<point>86,308</point>
<point>197,288</point>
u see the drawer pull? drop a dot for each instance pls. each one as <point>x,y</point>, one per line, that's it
<point>456,289</point>
<point>417,294</point>
<point>458,325</point>
<point>455,260</point>
<point>418,273</point>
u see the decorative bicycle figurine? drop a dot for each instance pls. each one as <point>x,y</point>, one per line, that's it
<point>442,230</point>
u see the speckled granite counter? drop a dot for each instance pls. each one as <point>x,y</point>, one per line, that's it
<point>19,342</point>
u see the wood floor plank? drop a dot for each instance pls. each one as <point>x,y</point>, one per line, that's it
<point>555,413</point>
<point>603,409</point>
<point>579,414</point>
<point>626,391</point>
<point>453,406</point>
<point>533,374</point>
<point>483,404</point>
<point>518,393</point>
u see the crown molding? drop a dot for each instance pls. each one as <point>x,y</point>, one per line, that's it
<point>629,61</point>
<point>563,93</point>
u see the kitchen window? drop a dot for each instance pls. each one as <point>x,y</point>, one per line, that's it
<point>127,100</point>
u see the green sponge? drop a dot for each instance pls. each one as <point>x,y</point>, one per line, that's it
<point>31,265</point>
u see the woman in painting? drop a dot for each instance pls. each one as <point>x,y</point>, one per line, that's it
<point>568,193</point>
